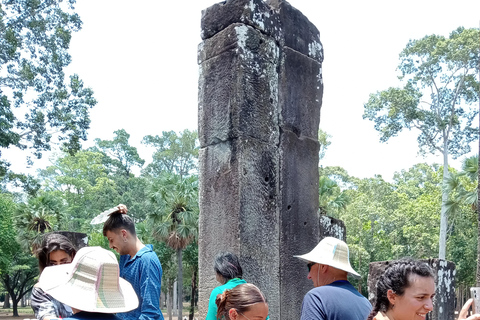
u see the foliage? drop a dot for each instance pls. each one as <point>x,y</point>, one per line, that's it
<point>82,182</point>
<point>175,219</point>
<point>35,218</point>
<point>438,99</point>
<point>324,140</point>
<point>36,101</point>
<point>7,231</point>
<point>17,268</point>
<point>174,153</point>
<point>119,156</point>
<point>331,198</point>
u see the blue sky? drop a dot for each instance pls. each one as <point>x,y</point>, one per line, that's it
<point>140,59</point>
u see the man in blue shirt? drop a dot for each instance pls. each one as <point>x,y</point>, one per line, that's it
<point>333,298</point>
<point>139,265</point>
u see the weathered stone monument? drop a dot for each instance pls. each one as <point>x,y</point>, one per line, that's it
<point>444,301</point>
<point>260,93</point>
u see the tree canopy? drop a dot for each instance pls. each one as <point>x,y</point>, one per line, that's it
<point>39,103</point>
<point>441,87</point>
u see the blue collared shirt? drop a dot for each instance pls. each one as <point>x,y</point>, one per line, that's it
<point>144,272</point>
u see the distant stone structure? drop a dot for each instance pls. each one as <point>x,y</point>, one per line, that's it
<point>444,302</point>
<point>260,94</point>
<point>331,227</point>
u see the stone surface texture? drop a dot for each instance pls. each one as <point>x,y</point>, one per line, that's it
<point>444,301</point>
<point>260,94</point>
<point>331,227</point>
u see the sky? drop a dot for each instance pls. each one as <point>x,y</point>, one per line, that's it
<point>140,58</point>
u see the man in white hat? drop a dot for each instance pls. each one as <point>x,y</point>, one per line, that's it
<point>334,297</point>
<point>90,285</point>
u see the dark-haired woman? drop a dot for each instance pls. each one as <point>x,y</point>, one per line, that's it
<point>229,273</point>
<point>405,291</point>
<point>56,249</point>
<point>244,301</point>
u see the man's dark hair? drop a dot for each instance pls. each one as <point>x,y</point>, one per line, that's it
<point>228,266</point>
<point>117,221</point>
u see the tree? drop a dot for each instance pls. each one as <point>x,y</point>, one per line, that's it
<point>36,102</point>
<point>176,218</point>
<point>17,268</point>
<point>174,153</point>
<point>120,157</point>
<point>20,277</point>
<point>82,182</point>
<point>323,139</point>
<point>331,199</point>
<point>463,204</point>
<point>35,218</point>
<point>437,100</point>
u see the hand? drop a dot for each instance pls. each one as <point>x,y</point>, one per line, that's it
<point>122,208</point>
<point>464,312</point>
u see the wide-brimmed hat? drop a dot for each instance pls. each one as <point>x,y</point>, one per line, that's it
<point>90,283</point>
<point>333,252</point>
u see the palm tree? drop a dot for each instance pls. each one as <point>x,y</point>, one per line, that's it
<point>35,218</point>
<point>330,197</point>
<point>176,219</point>
<point>463,188</point>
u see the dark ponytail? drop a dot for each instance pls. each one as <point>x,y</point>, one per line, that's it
<point>395,278</point>
<point>117,220</point>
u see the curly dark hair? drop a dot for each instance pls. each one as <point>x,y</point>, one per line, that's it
<point>396,278</point>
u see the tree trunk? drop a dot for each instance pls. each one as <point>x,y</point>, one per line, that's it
<point>442,245</point>
<point>15,307</point>
<point>170,300</point>
<point>478,190</point>
<point>6,304</point>
<point>359,268</point>
<point>192,301</point>
<point>180,284</point>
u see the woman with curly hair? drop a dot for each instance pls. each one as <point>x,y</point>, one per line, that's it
<point>405,291</point>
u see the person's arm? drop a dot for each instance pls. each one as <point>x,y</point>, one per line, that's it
<point>464,312</point>
<point>150,285</point>
<point>42,305</point>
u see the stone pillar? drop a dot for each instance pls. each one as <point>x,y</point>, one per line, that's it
<point>260,92</point>
<point>444,301</point>
<point>331,227</point>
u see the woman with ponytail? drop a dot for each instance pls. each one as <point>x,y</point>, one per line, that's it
<point>405,292</point>
<point>243,302</point>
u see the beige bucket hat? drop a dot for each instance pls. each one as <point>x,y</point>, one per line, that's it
<point>332,252</point>
<point>90,283</point>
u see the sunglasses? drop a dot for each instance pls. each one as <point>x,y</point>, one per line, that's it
<point>310,265</point>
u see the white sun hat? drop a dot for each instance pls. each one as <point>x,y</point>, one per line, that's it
<point>90,283</point>
<point>332,252</point>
